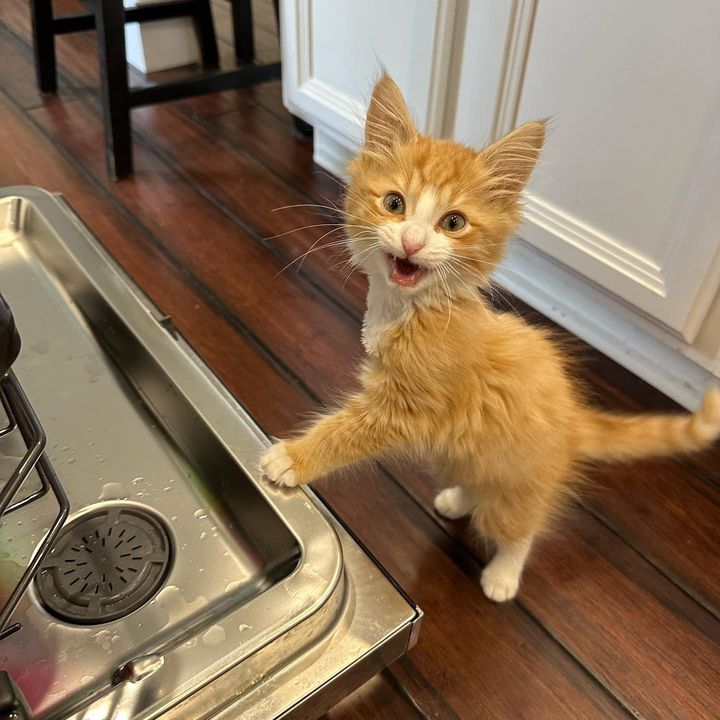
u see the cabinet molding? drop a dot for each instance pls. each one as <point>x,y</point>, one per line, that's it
<point>517,47</point>
<point>571,231</point>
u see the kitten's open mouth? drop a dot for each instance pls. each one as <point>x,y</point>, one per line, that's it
<point>403,272</point>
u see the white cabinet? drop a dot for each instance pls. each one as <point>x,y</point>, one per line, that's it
<point>622,235</point>
<point>627,192</point>
<point>333,50</point>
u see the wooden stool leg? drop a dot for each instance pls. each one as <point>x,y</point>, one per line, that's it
<point>206,34</point>
<point>44,44</point>
<point>110,25</point>
<point>243,30</point>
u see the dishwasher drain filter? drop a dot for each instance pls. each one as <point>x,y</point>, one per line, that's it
<point>105,565</point>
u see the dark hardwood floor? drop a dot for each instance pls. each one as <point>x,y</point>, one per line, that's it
<point>619,614</point>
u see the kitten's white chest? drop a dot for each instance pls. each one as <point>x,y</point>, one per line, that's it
<point>373,329</point>
<point>385,310</point>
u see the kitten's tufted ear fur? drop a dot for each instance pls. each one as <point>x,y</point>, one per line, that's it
<point>388,119</point>
<point>511,159</point>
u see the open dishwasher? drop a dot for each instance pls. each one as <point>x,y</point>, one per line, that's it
<point>146,570</point>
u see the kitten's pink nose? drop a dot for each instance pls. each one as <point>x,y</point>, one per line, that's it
<point>412,242</point>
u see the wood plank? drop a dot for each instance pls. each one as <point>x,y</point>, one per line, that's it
<point>521,651</point>
<point>406,674</point>
<point>291,231</point>
<point>255,131</point>
<point>72,49</point>
<point>673,519</point>
<point>268,96</point>
<point>657,650</point>
<point>14,80</point>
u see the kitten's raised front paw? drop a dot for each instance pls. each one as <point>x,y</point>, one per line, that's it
<point>454,503</point>
<point>277,466</point>
<point>499,582</point>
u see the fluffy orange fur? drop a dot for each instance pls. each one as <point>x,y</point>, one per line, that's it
<point>490,401</point>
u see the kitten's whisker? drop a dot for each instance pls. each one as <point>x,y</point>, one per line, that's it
<point>443,278</point>
<point>472,289</point>
<point>337,226</point>
<point>481,279</point>
<point>334,210</point>
<point>367,250</point>
<point>503,293</point>
<point>305,205</point>
<point>312,249</point>
<point>477,261</point>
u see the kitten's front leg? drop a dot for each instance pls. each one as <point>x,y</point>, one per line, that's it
<point>349,435</point>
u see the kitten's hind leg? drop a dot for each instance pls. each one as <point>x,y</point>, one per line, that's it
<point>501,577</point>
<point>455,502</point>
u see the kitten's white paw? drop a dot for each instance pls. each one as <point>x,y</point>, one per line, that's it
<point>277,466</point>
<point>453,503</point>
<point>499,582</point>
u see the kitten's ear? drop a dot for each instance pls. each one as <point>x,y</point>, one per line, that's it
<point>511,159</point>
<point>388,119</point>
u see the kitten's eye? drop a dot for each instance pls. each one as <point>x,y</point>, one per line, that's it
<point>394,203</point>
<point>453,222</point>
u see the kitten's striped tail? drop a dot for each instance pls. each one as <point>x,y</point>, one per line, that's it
<point>615,436</point>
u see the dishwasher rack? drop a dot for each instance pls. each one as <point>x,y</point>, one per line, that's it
<point>22,418</point>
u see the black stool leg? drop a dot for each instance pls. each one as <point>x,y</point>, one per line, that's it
<point>206,34</point>
<point>44,44</point>
<point>110,25</point>
<point>243,30</point>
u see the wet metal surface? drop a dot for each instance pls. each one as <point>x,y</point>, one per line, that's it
<point>136,423</point>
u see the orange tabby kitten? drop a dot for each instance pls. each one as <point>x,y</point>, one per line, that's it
<point>488,399</point>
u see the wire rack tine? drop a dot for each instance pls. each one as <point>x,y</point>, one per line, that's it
<point>22,416</point>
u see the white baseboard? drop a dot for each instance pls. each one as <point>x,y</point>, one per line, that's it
<point>577,305</point>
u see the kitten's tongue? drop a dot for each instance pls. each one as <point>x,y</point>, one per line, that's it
<point>403,272</point>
